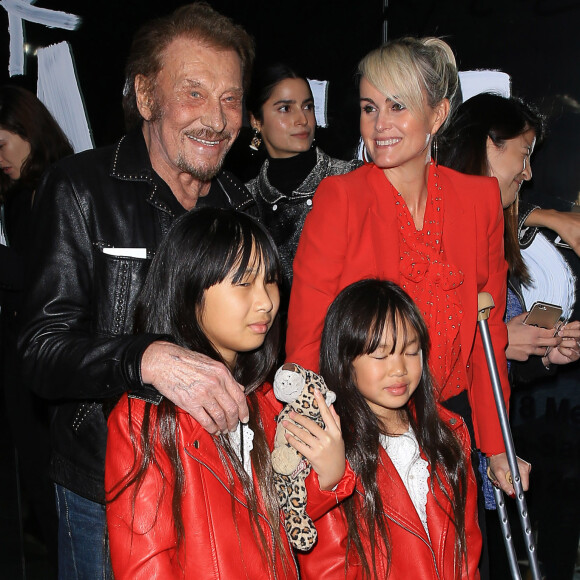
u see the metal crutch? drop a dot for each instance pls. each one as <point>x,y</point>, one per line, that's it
<point>484,305</point>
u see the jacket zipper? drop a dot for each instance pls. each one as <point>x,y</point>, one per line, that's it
<point>226,487</point>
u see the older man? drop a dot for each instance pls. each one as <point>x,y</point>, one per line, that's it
<point>100,216</point>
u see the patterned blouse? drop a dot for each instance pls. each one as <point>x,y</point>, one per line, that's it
<point>431,280</point>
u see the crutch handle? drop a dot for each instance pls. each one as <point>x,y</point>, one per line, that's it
<point>484,305</point>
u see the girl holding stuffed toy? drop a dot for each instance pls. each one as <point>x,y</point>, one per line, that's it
<point>413,513</point>
<point>181,502</point>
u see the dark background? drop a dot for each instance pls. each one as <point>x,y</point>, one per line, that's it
<point>536,42</point>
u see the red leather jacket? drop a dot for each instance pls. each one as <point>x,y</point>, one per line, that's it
<point>143,542</point>
<point>413,553</point>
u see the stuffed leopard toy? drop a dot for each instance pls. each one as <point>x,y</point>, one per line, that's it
<point>295,386</point>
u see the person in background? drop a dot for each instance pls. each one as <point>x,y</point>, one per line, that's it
<point>281,110</point>
<point>30,142</point>
<point>496,136</point>
<point>414,510</point>
<point>98,219</point>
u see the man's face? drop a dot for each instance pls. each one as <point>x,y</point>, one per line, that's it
<point>194,109</point>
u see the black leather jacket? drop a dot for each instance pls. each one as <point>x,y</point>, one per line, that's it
<point>76,341</point>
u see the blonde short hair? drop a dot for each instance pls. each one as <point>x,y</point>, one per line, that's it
<point>407,68</point>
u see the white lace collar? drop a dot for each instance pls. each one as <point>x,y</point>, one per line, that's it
<point>403,451</point>
<point>243,432</point>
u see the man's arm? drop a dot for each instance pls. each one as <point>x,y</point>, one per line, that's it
<point>70,353</point>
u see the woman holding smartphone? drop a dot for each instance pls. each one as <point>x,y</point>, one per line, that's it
<point>495,136</point>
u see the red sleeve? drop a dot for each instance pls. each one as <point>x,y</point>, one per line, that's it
<point>320,501</point>
<point>487,428</point>
<point>142,537</point>
<point>326,561</point>
<point>318,266</point>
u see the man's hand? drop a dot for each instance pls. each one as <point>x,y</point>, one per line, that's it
<point>197,384</point>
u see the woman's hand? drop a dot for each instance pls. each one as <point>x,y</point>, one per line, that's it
<point>525,340</point>
<point>569,349</point>
<point>500,474</point>
<point>324,448</point>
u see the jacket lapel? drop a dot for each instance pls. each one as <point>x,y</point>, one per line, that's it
<point>460,245</point>
<point>397,504</point>
<point>383,225</point>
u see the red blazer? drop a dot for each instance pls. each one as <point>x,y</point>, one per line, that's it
<point>143,542</point>
<point>414,554</point>
<point>351,233</point>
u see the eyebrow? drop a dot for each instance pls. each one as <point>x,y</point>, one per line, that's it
<point>292,101</point>
<point>193,83</point>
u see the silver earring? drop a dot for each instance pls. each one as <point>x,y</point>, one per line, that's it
<point>256,140</point>
<point>435,148</point>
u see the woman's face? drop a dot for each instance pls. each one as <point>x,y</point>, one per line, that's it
<point>288,121</point>
<point>393,136</point>
<point>14,150</point>
<point>510,163</point>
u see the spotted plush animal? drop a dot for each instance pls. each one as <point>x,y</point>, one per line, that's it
<point>295,386</point>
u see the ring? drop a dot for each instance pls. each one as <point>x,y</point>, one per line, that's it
<point>492,477</point>
<point>508,477</point>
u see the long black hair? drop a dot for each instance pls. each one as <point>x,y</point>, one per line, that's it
<point>463,147</point>
<point>354,326</point>
<point>22,113</point>
<point>202,249</point>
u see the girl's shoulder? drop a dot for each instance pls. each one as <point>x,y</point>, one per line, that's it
<point>452,420</point>
<point>455,423</point>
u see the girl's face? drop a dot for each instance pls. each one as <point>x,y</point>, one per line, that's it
<point>288,121</point>
<point>237,316</point>
<point>510,163</point>
<point>386,379</point>
<point>393,136</point>
<point>14,150</point>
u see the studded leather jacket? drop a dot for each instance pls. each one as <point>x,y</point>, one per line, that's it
<point>77,342</point>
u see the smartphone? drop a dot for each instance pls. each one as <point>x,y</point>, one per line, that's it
<point>544,315</point>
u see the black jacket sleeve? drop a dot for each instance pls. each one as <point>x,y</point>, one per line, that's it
<point>68,351</point>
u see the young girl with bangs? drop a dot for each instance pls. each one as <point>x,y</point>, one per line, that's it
<point>181,502</point>
<point>413,513</point>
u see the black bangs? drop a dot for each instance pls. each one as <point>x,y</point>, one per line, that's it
<point>360,313</point>
<point>392,319</point>
<point>234,245</point>
<point>256,253</point>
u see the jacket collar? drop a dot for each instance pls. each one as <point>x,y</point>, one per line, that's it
<point>131,159</point>
<point>305,189</point>
<point>131,162</point>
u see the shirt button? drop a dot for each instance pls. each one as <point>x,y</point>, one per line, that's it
<point>308,202</point>
<point>274,207</point>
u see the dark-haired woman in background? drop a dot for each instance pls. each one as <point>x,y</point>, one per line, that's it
<point>495,136</point>
<point>30,141</point>
<point>281,110</point>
